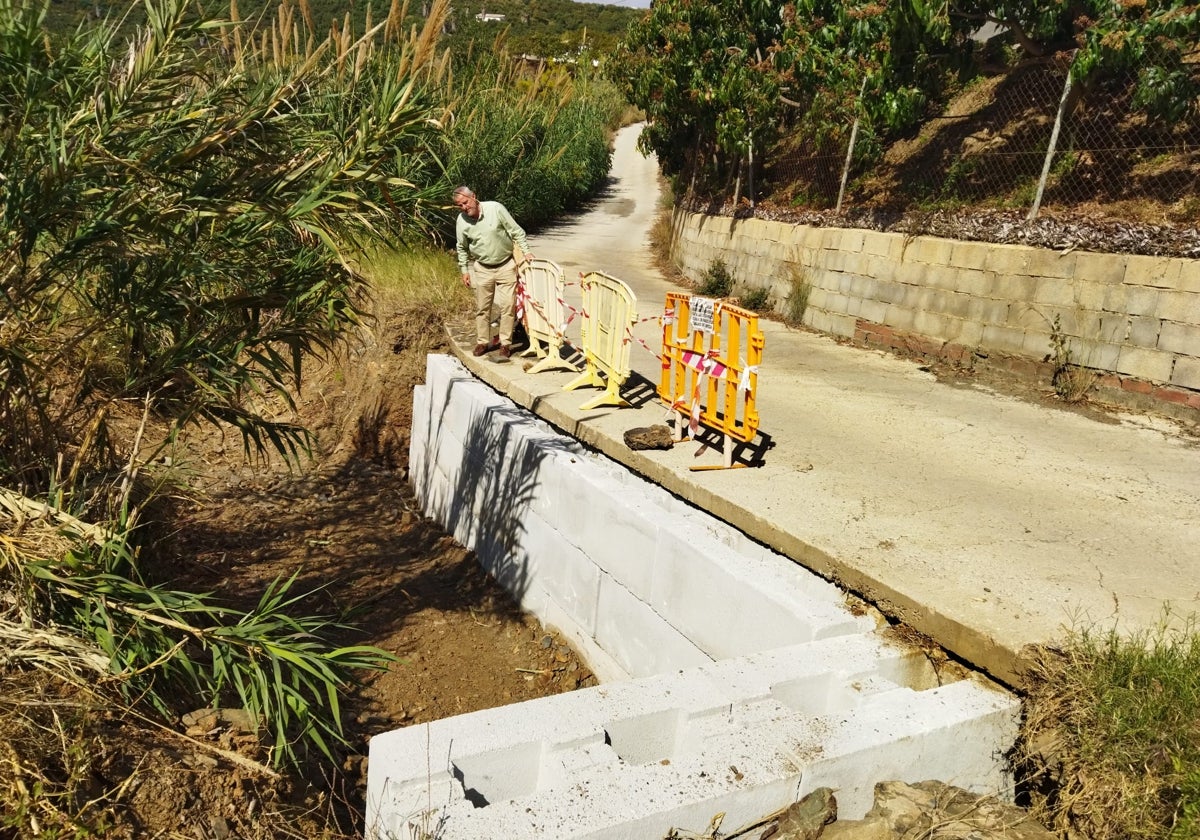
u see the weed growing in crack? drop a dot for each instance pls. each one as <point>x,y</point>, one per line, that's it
<point>799,292</point>
<point>1070,380</point>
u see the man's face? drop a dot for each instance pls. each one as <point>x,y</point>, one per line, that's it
<point>469,204</point>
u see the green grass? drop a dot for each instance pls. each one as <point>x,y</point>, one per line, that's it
<point>1124,713</point>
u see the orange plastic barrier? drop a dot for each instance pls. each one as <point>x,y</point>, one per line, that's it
<point>710,357</point>
<point>609,312</point>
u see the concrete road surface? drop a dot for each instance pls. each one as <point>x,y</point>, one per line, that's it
<point>986,522</point>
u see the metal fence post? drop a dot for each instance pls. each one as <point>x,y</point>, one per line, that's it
<point>1058,119</point>
<point>850,148</point>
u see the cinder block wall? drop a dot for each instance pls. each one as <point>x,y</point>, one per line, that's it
<point>1133,319</point>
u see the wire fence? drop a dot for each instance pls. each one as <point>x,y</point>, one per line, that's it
<point>1025,139</point>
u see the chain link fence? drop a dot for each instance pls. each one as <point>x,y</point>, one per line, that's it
<point>1022,140</point>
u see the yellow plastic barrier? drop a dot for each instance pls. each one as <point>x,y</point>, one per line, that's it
<point>710,357</point>
<point>544,285</point>
<point>609,312</point>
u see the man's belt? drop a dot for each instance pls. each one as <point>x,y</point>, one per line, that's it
<point>496,265</point>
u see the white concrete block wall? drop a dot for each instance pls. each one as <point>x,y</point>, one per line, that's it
<point>687,581</point>
<point>753,683</point>
<point>745,737</point>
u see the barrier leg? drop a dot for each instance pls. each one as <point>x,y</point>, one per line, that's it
<point>589,378</point>
<point>611,396</point>
<point>553,360</point>
<point>534,349</point>
<point>727,458</point>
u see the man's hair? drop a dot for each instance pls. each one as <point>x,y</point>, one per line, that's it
<point>464,190</point>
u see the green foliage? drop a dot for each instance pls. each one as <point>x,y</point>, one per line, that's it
<point>799,292</point>
<point>174,229</point>
<point>1125,712</point>
<point>165,644</point>
<point>541,148</point>
<point>756,299</point>
<point>717,280</point>
<point>1070,381</point>
<point>701,71</point>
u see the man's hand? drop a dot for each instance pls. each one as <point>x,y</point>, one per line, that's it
<point>467,280</point>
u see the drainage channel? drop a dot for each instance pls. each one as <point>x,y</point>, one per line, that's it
<point>733,681</point>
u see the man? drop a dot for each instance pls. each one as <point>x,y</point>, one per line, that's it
<point>484,235</point>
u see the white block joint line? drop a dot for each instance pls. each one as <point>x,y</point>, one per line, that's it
<point>734,682</point>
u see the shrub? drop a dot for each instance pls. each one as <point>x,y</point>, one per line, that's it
<point>717,280</point>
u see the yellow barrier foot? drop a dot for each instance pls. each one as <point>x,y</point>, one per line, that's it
<point>588,378</point>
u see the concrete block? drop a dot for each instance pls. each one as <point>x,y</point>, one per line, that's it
<point>724,612</point>
<point>1014,287</point>
<point>890,292</point>
<point>901,318</point>
<point>1145,332</point>
<point>1152,365</point>
<point>501,774</point>
<point>638,638</point>
<point>910,273</point>
<point>833,323</point>
<point>1141,300</point>
<point>1036,343</point>
<point>969,255</point>
<point>956,305</point>
<point>931,324</point>
<point>1006,339</point>
<point>1186,373</point>
<point>1100,355</point>
<point>1045,262</point>
<point>899,740</point>
<point>989,310</point>
<point>934,277</point>
<point>1182,307</point>
<point>874,311</point>
<point>974,282</point>
<point>1189,276</point>
<point>1100,269</point>
<point>931,250</point>
<point>1090,296</point>
<point>881,244</point>
<point>545,557</point>
<point>1007,260</point>
<point>1054,291</point>
<point>967,333</point>
<point>1156,272</point>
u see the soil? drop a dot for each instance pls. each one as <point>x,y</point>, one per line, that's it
<point>348,526</point>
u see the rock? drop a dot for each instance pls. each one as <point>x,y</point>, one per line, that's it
<point>904,811</point>
<point>649,437</point>
<point>806,819</point>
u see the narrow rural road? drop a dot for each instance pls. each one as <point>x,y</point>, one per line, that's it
<point>985,521</point>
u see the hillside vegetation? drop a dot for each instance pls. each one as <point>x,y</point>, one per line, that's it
<point>910,108</point>
<point>551,29</point>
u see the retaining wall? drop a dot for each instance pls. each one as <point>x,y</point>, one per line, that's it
<point>753,682</point>
<point>1133,319</point>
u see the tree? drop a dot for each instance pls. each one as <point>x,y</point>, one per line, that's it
<point>703,72</point>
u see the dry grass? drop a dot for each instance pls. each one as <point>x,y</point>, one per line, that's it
<point>1111,741</point>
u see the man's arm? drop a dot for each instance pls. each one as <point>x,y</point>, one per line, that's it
<point>515,232</point>
<point>460,248</point>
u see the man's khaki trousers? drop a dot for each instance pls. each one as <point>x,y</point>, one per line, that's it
<point>494,287</point>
